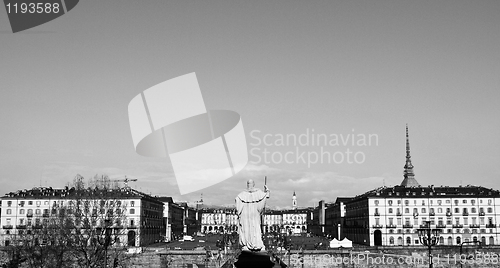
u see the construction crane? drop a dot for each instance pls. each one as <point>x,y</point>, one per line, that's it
<point>125,181</point>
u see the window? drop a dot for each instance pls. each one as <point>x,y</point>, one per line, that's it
<point>390,202</point>
<point>8,221</point>
<point>473,210</point>
<point>21,221</point>
<point>21,211</point>
<point>464,201</point>
<point>407,210</point>
<point>457,210</point>
<point>37,211</point>
<point>9,203</point>
<point>30,203</point>
<point>407,202</point>
<point>132,211</point>
<point>448,201</point>
<point>481,221</point>
<point>465,211</point>
<point>440,210</point>
<point>38,203</point>
<point>466,221</point>
<point>30,211</point>
<point>423,210</point>
<point>132,203</point>
<point>132,223</point>
<point>415,211</point>
<point>46,203</point>
<point>473,201</point>
<point>456,202</point>
<point>481,210</point>
<point>390,210</point>
<point>490,210</point>
<point>431,210</point>
<point>376,202</point>
<point>391,240</point>
<point>9,211</point>
<point>440,202</point>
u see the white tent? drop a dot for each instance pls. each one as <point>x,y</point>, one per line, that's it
<point>334,243</point>
<point>345,243</point>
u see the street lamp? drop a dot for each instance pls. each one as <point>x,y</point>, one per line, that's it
<point>467,242</point>
<point>429,237</point>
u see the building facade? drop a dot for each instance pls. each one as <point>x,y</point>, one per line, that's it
<point>135,217</point>
<point>218,220</point>
<point>390,216</point>
<point>173,219</point>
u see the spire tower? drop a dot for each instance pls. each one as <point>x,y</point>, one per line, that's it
<point>409,176</point>
<point>294,201</point>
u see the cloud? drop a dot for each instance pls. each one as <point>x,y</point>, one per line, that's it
<point>157,178</point>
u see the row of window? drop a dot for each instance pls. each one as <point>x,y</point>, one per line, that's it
<point>46,211</point>
<point>439,210</point>
<point>439,202</point>
<point>449,231</point>
<point>449,240</point>
<point>61,203</point>
<point>29,222</point>
<point>440,221</point>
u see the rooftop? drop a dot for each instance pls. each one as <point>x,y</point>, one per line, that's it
<point>426,192</point>
<point>71,193</point>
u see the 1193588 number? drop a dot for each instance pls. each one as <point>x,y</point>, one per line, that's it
<point>33,8</point>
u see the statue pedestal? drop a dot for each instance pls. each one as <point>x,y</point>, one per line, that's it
<point>250,259</point>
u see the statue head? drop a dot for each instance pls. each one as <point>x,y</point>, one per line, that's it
<point>250,184</point>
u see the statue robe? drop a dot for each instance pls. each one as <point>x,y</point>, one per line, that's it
<point>249,206</point>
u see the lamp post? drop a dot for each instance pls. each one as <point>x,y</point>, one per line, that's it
<point>429,237</point>
<point>467,242</point>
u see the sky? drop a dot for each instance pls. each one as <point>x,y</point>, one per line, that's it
<point>344,69</point>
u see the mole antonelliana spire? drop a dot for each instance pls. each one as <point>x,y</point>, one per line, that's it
<point>409,176</point>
